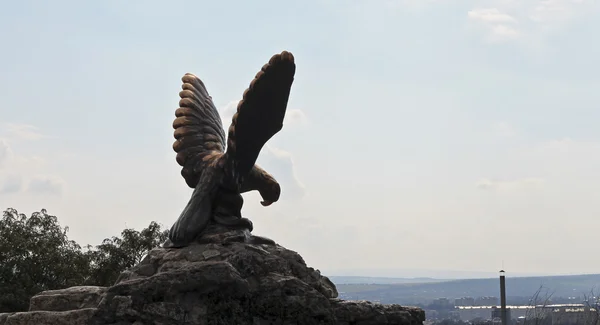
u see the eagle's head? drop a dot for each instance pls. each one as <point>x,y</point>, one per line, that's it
<point>270,194</point>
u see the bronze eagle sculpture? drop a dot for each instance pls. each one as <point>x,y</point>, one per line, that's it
<point>219,174</point>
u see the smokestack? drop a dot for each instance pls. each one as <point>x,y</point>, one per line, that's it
<point>503,298</point>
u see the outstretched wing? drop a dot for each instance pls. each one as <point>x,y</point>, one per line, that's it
<point>200,139</point>
<point>259,114</point>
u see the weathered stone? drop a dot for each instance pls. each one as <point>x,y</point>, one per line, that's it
<point>210,253</point>
<point>368,313</point>
<point>127,275</point>
<point>147,270</point>
<point>234,283</point>
<point>72,317</point>
<point>67,299</point>
<point>3,317</point>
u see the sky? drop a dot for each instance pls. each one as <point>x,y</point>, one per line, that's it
<point>420,135</point>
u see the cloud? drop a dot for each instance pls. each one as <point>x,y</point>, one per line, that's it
<point>23,131</point>
<point>11,183</point>
<point>549,11</point>
<point>496,23</point>
<point>17,171</point>
<point>519,184</point>
<point>280,164</point>
<point>46,184</point>
<point>506,20</point>
<point>503,32</point>
<point>504,130</point>
<point>558,167</point>
<point>295,117</point>
<point>6,153</point>
<point>14,161</point>
<point>227,112</point>
<point>14,171</point>
<point>490,15</point>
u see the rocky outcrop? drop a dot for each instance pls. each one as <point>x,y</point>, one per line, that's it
<point>71,317</point>
<point>231,280</point>
<point>67,299</point>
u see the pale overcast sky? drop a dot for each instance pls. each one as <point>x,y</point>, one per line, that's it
<point>419,135</point>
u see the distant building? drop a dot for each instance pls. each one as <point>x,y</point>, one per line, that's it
<point>468,313</point>
<point>454,315</point>
<point>486,301</point>
<point>442,303</point>
<point>432,314</point>
<point>563,314</point>
<point>572,314</point>
<point>464,301</point>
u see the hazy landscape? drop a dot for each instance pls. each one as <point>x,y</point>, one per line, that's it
<point>424,290</point>
<point>408,150</point>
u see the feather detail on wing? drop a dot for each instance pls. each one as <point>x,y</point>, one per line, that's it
<point>259,114</point>
<point>200,139</point>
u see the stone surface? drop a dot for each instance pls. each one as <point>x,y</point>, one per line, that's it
<point>72,317</point>
<point>236,282</point>
<point>67,299</point>
<point>3,317</point>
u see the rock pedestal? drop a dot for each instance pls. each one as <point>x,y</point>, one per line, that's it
<point>239,280</point>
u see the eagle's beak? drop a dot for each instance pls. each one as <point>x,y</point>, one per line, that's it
<point>266,203</point>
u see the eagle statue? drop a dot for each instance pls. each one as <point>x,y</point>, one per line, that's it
<point>217,172</point>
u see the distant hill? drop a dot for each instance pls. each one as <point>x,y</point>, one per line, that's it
<point>410,293</point>
<point>407,273</point>
<point>379,280</point>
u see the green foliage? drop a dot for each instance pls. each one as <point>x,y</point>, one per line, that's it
<point>117,254</point>
<point>36,255</point>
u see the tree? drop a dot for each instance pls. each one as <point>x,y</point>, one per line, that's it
<point>538,313</point>
<point>36,255</point>
<point>592,303</point>
<point>116,254</point>
<point>542,312</point>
